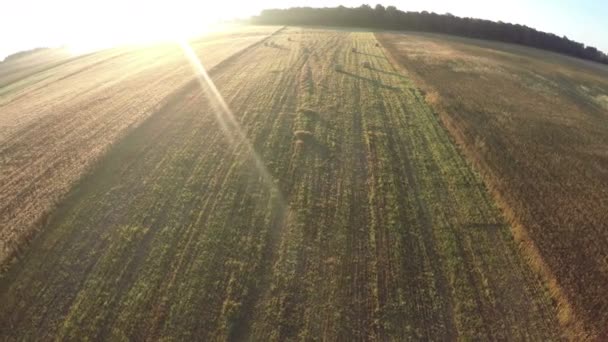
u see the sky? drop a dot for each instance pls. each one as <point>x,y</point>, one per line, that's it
<point>91,24</point>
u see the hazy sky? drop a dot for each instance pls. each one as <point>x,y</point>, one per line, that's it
<point>26,24</point>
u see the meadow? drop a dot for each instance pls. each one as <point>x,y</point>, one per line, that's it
<point>324,199</point>
<point>534,125</point>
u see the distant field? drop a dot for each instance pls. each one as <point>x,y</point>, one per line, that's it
<point>58,118</point>
<point>15,69</point>
<point>536,125</point>
<point>373,226</point>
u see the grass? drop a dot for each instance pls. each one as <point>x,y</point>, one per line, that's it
<point>374,228</point>
<point>534,125</point>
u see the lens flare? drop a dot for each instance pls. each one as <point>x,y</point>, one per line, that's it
<point>225,117</point>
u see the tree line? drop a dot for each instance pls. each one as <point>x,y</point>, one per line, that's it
<point>393,19</point>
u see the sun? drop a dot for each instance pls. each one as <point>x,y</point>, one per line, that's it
<point>144,22</point>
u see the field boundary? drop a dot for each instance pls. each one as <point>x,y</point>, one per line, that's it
<point>573,327</point>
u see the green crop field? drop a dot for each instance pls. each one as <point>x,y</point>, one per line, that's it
<point>328,202</point>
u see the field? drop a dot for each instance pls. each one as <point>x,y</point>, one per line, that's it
<point>534,124</point>
<point>33,62</point>
<point>58,117</point>
<point>323,200</point>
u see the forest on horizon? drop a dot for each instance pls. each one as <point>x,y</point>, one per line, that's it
<point>392,18</point>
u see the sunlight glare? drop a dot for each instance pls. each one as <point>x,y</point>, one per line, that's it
<point>225,117</point>
<point>139,22</point>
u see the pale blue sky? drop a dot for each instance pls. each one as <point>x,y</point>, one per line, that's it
<point>26,24</point>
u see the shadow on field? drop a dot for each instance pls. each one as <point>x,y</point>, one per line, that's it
<point>320,149</point>
<point>315,146</point>
<point>388,73</point>
<point>275,46</point>
<point>370,54</point>
<point>314,116</point>
<point>375,82</point>
<point>486,226</point>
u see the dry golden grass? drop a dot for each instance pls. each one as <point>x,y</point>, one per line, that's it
<point>534,124</point>
<point>56,122</point>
